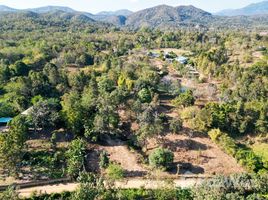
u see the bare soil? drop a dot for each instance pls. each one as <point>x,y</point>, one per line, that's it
<point>199,154</point>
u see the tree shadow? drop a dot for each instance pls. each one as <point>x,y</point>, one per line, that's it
<point>184,168</point>
<point>187,144</point>
<point>45,134</point>
<point>192,133</point>
<point>132,174</point>
<point>92,161</point>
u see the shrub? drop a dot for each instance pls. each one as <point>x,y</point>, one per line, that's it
<point>184,99</point>
<point>214,134</point>
<point>238,186</point>
<point>176,125</point>
<point>115,171</point>
<point>145,95</point>
<point>161,158</point>
<point>104,160</point>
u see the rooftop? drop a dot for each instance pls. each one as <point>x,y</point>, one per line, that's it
<point>5,119</point>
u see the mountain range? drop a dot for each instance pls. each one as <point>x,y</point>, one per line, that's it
<point>260,8</point>
<point>162,16</point>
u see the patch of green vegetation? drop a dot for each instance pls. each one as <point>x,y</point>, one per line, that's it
<point>261,149</point>
<point>45,163</point>
<point>244,155</point>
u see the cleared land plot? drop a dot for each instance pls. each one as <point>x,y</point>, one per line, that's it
<point>200,154</point>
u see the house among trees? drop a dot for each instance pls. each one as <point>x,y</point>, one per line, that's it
<point>27,112</point>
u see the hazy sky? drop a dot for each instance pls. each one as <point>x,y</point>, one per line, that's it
<point>94,6</point>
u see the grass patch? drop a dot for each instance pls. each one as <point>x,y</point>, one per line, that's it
<point>261,149</point>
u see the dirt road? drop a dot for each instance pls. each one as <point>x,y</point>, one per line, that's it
<point>130,183</point>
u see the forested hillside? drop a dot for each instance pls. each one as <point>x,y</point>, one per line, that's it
<point>162,17</point>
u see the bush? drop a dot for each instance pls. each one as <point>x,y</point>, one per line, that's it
<point>176,125</point>
<point>104,160</point>
<point>161,158</point>
<point>145,95</point>
<point>10,193</point>
<point>115,171</point>
<point>184,99</point>
<point>238,186</point>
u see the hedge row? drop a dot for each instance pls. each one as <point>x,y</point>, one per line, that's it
<point>245,156</point>
<point>125,194</point>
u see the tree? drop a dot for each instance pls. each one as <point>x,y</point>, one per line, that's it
<point>105,84</point>
<point>20,69</point>
<point>85,59</point>
<point>145,95</point>
<point>45,113</point>
<point>12,145</point>
<point>149,125</point>
<point>5,73</point>
<point>76,157</point>
<point>91,187</point>
<point>51,72</point>
<point>184,99</point>
<point>107,118</point>
<point>40,84</point>
<point>72,111</point>
<point>161,158</point>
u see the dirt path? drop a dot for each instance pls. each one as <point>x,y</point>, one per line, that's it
<point>125,184</point>
<point>48,189</point>
<point>120,153</point>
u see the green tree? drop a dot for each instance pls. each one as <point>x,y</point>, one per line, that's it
<point>161,158</point>
<point>150,125</point>
<point>45,113</point>
<point>184,99</point>
<point>72,111</point>
<point>5,74</point>
<point>20,69</point>
<point>51,72</point>
<point>76,157</point>
<point>91,187</point>
<point>145,95</point>
<point>12,146</point>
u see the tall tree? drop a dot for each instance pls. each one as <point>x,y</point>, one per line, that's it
<point>12,146</point>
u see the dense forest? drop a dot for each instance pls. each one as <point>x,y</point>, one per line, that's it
<point>73,87</point>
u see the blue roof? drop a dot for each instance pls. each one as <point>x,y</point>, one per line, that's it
<point>5,119</point>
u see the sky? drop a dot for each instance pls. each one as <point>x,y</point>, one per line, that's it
<point>95,6</point>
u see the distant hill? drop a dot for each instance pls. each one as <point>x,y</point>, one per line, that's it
<point>51,9</point>
<point>7,9</point>
<point>123,12</point>
<point>113,19</point>
<point>252,9</point>
<point>160,17</point>
<point>164,15</point>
